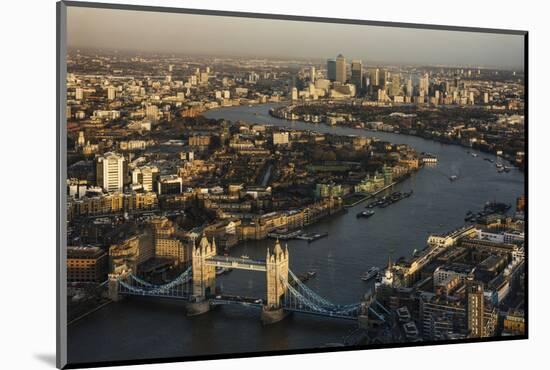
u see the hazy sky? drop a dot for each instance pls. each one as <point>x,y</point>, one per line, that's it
<point>216,35</point>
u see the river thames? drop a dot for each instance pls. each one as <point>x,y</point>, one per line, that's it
<point>141,329</point>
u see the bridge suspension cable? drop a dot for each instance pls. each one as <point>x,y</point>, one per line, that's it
<point>177,287</point>
<point>302,298</point>
<point>182,278</point>
<point>313,296</point>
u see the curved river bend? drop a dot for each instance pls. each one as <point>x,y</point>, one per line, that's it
<point>149,329</point>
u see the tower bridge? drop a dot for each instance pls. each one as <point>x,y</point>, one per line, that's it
<point>285,292</point>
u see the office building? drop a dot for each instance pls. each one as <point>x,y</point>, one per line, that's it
<point>167,244</point>
<point>199,141</point>
<point>280,138</point>
<point>475,309</point>
<point>374,77</point>
<point>172,248</point>
<point>357,74</point>
<point>396,84</point>
<point>424,85</point>
<point>79,93</point>
<point>111,93</point>
<point>294,93</point>
<point>152,112</point>
<point>86,264</point>
<point>170,184</point>
<point>111,172</point>
<point>132,251</point>
<point>441,318</point>
<point>145,176</point>
<point>341,69</point>
<point>409,87</point>
<point>331,69</point>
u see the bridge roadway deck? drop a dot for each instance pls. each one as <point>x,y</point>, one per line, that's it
<point>231,299</point>
<point>236,263</point>
<point>224,299</point>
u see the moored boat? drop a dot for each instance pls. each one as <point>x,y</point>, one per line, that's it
<point>372,272</point>
<point>365,214</point>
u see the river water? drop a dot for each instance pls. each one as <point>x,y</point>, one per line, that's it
<point>141,328</point>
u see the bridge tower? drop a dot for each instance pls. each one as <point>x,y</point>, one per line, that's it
<point>119,273</point>
<point>204,276</point>
<point>276,276</point>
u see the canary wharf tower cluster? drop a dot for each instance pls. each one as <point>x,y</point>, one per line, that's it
<point>362,186</point>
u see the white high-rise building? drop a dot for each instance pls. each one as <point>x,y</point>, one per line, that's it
<point>110,172</point>
<point>375,77</point>
<point>424,87</point>
<point>409,87</point>
<point>111,93</point>
<point>312,74</point>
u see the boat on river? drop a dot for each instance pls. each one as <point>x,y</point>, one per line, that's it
<point>365,214</point>
<point>372,272</point>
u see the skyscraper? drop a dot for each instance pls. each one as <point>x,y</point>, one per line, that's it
<point>110,172</point>
<point>375,77</point>
<point>475,309</point>
<point>341,69</point>
<point>396,84</point>
<point>312,74</point>
<point>409,87</point>
<point>424,85</point>
<point>331,69</point>
<point>385,79</point>
<point>357,74</point>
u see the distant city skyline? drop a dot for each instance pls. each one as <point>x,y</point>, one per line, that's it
<point>237,36</point>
